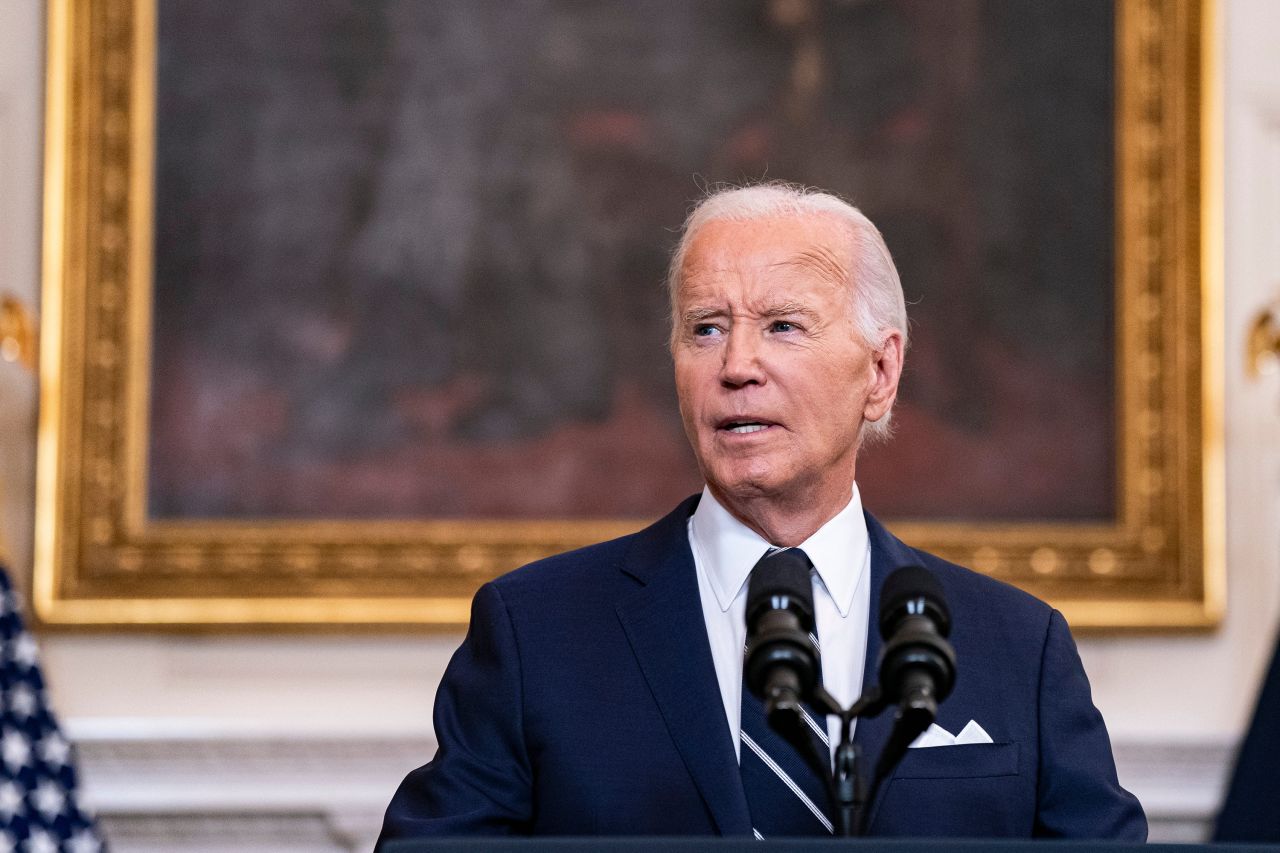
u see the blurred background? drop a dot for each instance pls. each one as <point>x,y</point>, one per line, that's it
<point>284,742</point>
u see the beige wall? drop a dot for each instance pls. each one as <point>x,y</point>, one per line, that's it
<point>1202,686</point>
<point>20,116</point>
<point>1176,694</point>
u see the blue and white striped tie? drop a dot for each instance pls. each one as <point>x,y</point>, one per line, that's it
<point>785,793</point>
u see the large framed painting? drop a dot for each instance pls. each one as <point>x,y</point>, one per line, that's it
<point>350,306</point>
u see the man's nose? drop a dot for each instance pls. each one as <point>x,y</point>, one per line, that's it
<point>742,361</point>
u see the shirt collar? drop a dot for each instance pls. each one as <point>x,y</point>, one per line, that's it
<point>729,550</point>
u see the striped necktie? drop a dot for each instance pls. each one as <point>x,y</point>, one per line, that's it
<point>785,792</point>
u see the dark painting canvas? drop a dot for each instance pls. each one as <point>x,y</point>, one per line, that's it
<point>409,255</point>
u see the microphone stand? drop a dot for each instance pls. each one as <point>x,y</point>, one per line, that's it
<point>846,784</point>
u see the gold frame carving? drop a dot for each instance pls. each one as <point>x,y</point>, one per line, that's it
<point>101,562</point>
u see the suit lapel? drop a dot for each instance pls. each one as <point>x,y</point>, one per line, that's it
<point>887,553</point>
<point>663,621</point>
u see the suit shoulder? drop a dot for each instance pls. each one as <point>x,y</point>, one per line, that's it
<point>970,591</point>
<point>598,566</point>
<point>975,596</point>
<point>571,567</point>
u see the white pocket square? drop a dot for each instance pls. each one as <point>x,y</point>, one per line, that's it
<point>936,735</point>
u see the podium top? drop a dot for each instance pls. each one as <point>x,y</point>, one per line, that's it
<point>797,845</point>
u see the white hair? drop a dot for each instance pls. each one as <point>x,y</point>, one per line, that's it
<point>878,303</point>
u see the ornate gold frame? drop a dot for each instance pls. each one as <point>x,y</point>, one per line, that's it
<point>100,561</point>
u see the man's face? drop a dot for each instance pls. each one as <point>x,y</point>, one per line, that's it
<point>773,378</point>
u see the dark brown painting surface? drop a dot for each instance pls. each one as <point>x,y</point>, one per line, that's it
<point>409,256</point>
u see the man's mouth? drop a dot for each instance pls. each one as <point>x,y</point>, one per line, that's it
<point>744,427</point>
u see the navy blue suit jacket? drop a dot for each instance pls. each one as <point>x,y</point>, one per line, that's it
<point>584,701</point>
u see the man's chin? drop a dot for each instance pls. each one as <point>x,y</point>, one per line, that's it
<point>745,489</point>
<point>781,488</point>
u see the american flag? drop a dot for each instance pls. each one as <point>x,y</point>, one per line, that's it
<point>39,811</point>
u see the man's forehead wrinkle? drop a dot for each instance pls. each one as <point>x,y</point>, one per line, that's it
<point>699,266</point>
<point>821,261</point>
<point>697,276</point>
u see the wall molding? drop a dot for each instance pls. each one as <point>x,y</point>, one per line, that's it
<point>244,791</point>
<point>1180,783</point>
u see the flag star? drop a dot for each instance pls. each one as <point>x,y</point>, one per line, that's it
<point>23,650</point>
<point>7,844</point>
<point>84,841</point>
<point>49,798</point>
<point>10,801</point>
<point>15,749</point>
<point>54,750</point>
<point>41,841</point>
<point>22,701</point>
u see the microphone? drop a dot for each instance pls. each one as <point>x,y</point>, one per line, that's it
<point>917,664</point>
<point>782,664</point>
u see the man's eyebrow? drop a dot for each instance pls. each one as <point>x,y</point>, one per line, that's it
<point>778,309</point>
<point>697,315</point>
<point>787,308</point>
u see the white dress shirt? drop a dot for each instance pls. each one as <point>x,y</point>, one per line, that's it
<point>724,552</point>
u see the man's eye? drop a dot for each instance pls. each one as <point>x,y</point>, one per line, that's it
<point>783,326</point>
<point>704,330</point>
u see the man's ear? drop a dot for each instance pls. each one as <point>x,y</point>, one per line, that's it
<point>886,370</point>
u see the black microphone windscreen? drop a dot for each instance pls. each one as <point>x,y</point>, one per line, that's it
<point>785,573</point>
<point>907,584</point>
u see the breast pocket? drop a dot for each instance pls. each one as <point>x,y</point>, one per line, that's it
<point>972,791</point>
<point>969,761</point>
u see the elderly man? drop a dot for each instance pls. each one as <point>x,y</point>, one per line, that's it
<point>600,691</point>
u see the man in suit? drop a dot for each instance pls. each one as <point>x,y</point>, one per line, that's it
<point>1248,812</point>
<point>600,691</point>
